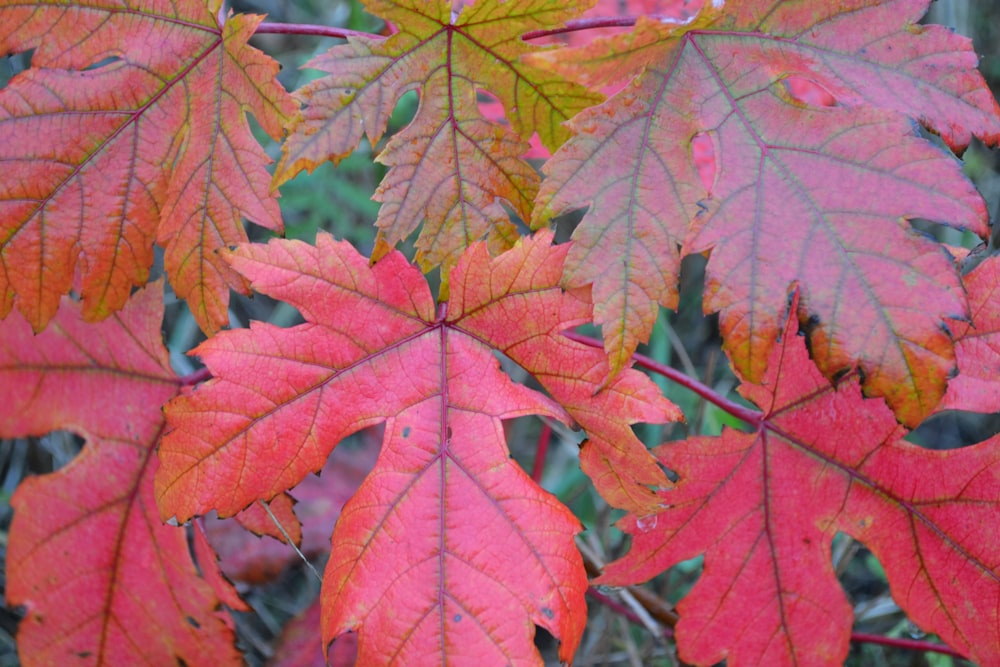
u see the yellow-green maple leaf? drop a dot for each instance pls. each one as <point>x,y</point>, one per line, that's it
<point>450,166</point>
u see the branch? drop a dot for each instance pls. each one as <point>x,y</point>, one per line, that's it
<point>749,415</point>
<point>654,607</point>
<point>911,644</point>
<point>309,29</point>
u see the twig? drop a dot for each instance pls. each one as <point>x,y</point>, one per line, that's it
<point>655,608</point>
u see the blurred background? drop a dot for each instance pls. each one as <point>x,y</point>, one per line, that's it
<point>627,627</point>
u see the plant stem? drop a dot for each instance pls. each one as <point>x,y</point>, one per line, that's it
<point>544,438</point>
<point>911,644</point>
<point>575,25</point>
<point>310,29</point>
<point>594,23</point>
<point>749,415</point>
<point>199,375</point>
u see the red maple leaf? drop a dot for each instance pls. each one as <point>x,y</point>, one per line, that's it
<point>129,128</point>
<point>977,344</point>
<point>763,507</point>
<point>813,177</point>
<point>103,581</point>
<point>448,545</point>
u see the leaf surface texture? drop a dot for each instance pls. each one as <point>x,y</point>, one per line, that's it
<point>763,507</point>
<point>812,173</point>
<point>103,580</point>
<point>447,535</point>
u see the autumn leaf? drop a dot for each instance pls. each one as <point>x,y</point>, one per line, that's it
<point>129,128</point>
<point>103,581</point>
<point>813,176</point>
<point>448,545</point>
<point>450,167</point>
<point>211,571</point>
<point>977,344</point>
<point>257,520</point>
<point>763,507</point>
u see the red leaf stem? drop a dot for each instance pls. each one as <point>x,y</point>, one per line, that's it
<point>749,415</point>
<point>544,438</point>
<point>578,25</point>
<point>198,376</point>
<point>585,24</point>
<point>310,29</point>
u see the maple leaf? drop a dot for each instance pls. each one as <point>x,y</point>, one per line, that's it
<point>104,582</point>
<point>977,344</point>
<point>257,520</point>
<point>763,508</point>
<point>813,176</point>
<point>128,128</point>
<point>448,546</point>
<point>450,167</point>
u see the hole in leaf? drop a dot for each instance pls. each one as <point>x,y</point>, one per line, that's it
<point>547,645</point>
<point>945,233</point>
<point>703,154</point>
<point>953,429</point>
<point>104,62</point>
<point>808,92</point>
<point>402,115</point>
<point>13,65</point>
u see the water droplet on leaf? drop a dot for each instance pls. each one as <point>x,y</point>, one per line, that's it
<point>646,523</point>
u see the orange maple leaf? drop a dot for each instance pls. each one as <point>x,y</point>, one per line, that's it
<point>130,128</point>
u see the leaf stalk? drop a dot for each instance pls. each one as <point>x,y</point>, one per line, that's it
<point>742,412</point>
